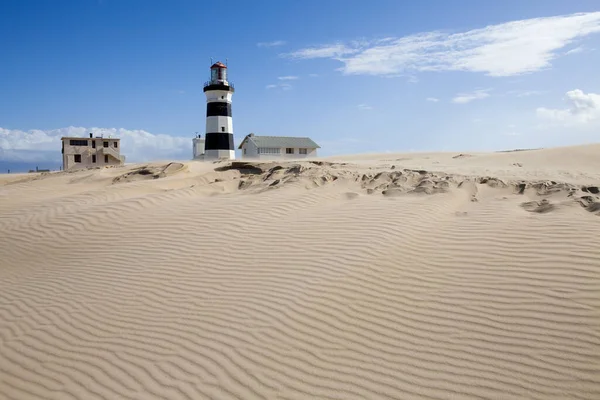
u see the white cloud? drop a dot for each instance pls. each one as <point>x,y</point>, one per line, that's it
<point>584,108</point>
<point>576,50</point>
<point>527,93</point>
<point>274,43</point>
<point>329,51</point>
<point>506,49</point>
<point>364,107</point>
<point>432,99</point>
<point>288,78</point>
<point>45,145</point>
<point>282,86</point>
<point>579,50</point>
<point>463,98</point>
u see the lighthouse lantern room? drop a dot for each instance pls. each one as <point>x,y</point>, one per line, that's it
<point>219,124</point>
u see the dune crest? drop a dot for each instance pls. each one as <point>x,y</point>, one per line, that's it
<point>439,275</point>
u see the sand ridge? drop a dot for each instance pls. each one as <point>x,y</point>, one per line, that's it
<point>356,278</point>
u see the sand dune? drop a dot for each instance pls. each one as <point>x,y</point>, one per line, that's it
<point>393,276</point>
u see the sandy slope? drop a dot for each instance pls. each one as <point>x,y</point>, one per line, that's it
<point>388,276</point>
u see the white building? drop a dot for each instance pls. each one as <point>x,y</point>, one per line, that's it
<point>198,147</point>
<point>91,152</point>
<point>269,147</point>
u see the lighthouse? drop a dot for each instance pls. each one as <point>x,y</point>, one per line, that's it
<point>219,125</point>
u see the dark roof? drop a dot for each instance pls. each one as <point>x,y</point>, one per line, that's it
<point>218,64</point>
<point>281,141</point>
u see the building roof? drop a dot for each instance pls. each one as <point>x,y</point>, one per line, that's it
<point>87,137</point>
<point>218,64</point>
<point>280,141</point>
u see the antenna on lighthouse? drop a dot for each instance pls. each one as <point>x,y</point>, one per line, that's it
<point>211,63</point>
<point>226,62</point>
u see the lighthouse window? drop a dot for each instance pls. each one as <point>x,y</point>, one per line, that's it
<point>222,129</point>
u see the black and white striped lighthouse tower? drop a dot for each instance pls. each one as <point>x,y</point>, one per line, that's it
<point>219,124</point>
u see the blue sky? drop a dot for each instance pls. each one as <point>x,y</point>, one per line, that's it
<point>355,76</point>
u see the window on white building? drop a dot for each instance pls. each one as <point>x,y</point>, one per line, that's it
<point>289,150</point>
<point>303,151</point>
<point>269,150</point>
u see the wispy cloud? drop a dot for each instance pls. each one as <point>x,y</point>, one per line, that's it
<point>506,49</point>
<point>282,86</point>
<point>364,107</point>
<point>526,93</point>
<point>463,98</point>
<point>576,50</point>
<point>313,75</point>
<point>274,43</point>
<point>433,99</point>
<point>136,145</point>
<point>328,51</point>
<point>583,109</point>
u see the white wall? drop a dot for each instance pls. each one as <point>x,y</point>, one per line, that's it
<point>219,155</point>
<point>214,124</point>
<point>198,146</point>
<point>252,152</point>
<point>218,95</point>
<point>87,152</point>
